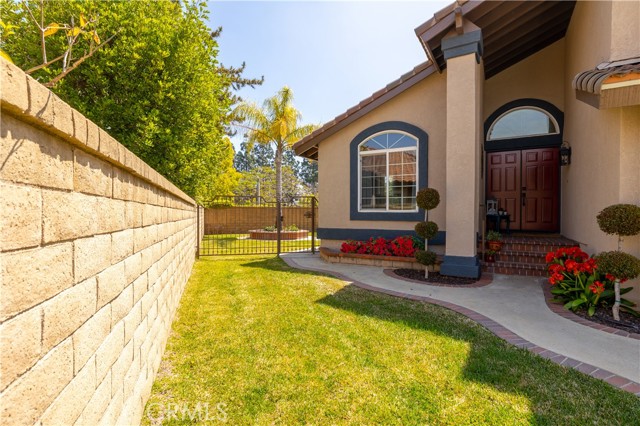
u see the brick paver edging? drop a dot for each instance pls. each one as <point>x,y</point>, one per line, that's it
<point>559,309</point>
<point>485,279</point>
<point>497,329</point>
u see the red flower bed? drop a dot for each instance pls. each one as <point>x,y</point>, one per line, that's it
<point>577,282</point>
<point>399,247</point>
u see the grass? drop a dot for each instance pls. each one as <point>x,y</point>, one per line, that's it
<point>241,244</point>
<point>275,345</point>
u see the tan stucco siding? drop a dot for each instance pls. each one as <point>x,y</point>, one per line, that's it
<point>606,143</point>
<point>630,156</point>
<point>540,76</point>
<point>625,42</point>
<point>424,106</point>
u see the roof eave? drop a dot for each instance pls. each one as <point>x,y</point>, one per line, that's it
<point>307,147</point>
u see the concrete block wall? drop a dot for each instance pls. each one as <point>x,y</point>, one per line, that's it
<point>95,251</point>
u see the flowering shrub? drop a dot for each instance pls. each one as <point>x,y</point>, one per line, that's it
<point>577,282</point>
<point>400,246</point>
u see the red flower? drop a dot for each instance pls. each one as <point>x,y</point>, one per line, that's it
<point>555,278</point>
<point>589,266</point>
<point>572,266</point>
<point>556,268</point>
<point>597,287</point>
<point>551,256</point>
<point>610,277</point>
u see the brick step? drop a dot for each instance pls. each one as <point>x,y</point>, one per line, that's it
<point>515,268</point>
<point>526,257</point>
<point>535,244</point>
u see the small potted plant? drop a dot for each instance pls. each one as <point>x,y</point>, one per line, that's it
<point>490,256</point>
<point>494,241</point>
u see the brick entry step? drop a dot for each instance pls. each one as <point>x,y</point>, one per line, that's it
<point>525,255</point>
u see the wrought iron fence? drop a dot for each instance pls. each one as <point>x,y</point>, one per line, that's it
<point>250,225</point>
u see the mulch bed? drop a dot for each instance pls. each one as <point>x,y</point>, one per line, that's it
<point>628,322</point>
<point>434,277</point>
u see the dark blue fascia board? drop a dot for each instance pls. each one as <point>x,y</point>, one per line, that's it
<point>464,44</point>
<point>364,234</point>
<point>423,161</point>
<point>461,266</point>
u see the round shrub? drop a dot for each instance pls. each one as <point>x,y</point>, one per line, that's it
<point>426,257</point>
<point>426,230</point>
<point>621,265</point>
<point>428,198</point>
<point>620,219</point>
<point>494,236</point>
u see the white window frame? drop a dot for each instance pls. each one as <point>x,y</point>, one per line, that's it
<point>545,112</point>
<point>386,152</point>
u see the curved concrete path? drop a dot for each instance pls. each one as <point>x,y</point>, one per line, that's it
<point>517,304</point>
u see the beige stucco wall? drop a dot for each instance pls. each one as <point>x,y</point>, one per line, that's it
<point>606,143</point>
<point>423,105</point>
<point>95,250</point>
<point>625,20</point>
<point>540,76</point>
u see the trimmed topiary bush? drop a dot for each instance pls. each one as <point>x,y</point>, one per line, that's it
<point>622,266</point>
<point>426,257</point>
<point>426,230</point>
<point>428,198</point>
<point>620,219</point>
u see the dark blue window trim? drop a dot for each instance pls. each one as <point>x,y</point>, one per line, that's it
<point>545,141</point>
<point>423,139</point>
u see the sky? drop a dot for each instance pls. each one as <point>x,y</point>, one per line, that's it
<point>332,54</point>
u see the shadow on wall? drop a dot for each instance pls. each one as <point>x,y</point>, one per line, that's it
<point>490,361</point>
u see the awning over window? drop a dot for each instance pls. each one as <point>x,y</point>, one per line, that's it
<point>611,84</point>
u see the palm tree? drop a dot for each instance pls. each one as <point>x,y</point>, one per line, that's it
<point>275,123</point>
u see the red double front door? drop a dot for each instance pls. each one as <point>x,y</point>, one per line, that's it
<point>526,185</point>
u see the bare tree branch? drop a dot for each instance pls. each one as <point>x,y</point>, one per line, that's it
<point>77,63</point>
<point>37,67</point>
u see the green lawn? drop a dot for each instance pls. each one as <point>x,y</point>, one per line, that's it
<point>231,244</point>
<point>275,345</point>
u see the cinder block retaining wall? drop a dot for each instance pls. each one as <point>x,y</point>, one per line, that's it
<point>95,250</point>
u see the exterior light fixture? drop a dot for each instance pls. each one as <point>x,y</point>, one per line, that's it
<point>565,154</point>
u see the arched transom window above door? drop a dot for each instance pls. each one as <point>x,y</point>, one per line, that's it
<point>523,122</point>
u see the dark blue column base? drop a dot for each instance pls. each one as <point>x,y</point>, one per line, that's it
<point>461,266</point>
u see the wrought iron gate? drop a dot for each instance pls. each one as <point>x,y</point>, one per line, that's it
<point>249,225</point>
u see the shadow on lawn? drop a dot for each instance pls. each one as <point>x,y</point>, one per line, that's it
<point>276,264</point>
<point>491,361</point>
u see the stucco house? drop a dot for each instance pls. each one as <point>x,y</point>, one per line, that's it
<point>507,86</point>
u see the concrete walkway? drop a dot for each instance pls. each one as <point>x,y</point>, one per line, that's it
<point>517,304</point>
